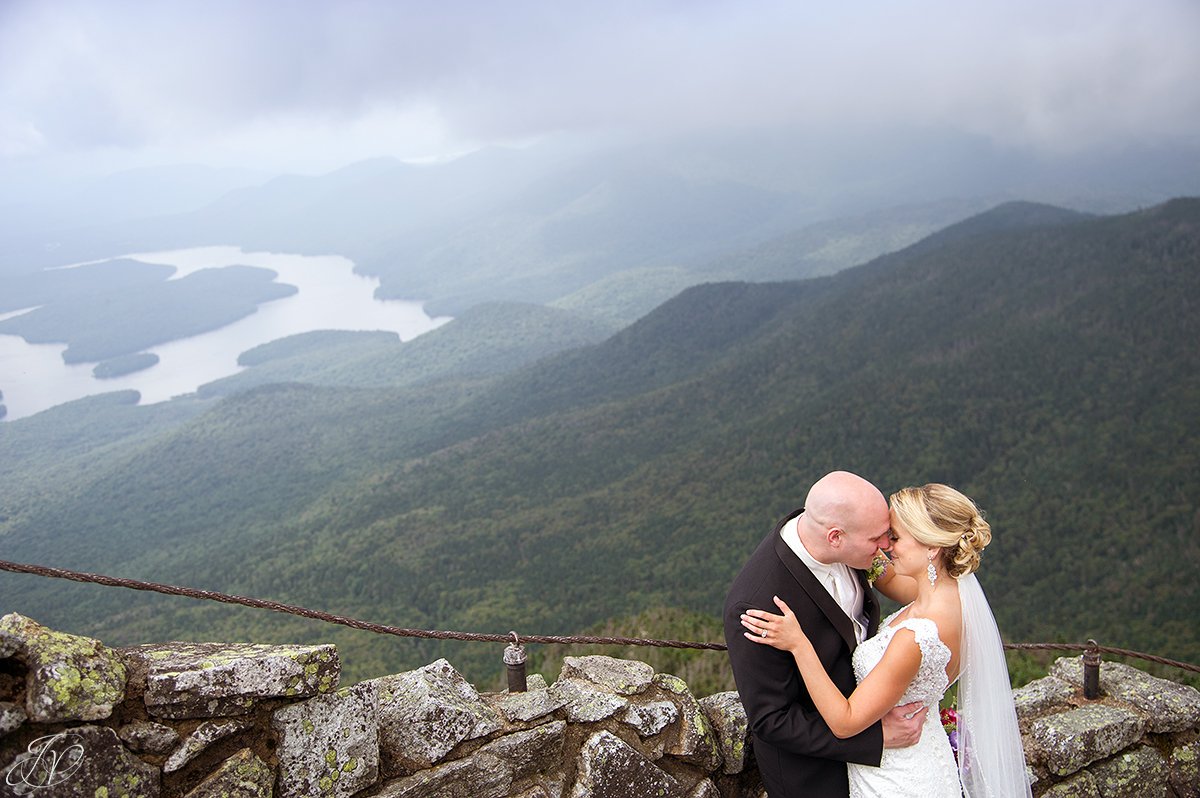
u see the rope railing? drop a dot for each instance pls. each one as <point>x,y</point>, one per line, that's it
<point>1091,648</point>
<point>291,609</point>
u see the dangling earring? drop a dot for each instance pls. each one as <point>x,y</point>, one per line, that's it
<point>931,571</point>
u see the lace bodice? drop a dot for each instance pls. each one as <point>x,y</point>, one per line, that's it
<point>930,682</point>
<point>926,769</point>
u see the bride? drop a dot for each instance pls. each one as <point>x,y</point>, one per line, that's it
<point>945,631</point>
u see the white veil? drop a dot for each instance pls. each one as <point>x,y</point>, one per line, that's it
<point>991,761</point>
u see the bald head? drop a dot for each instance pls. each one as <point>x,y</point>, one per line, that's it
<point>845,519</point>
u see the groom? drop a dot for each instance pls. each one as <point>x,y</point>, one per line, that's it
<point>814,560</point>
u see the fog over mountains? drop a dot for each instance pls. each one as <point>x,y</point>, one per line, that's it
<point>542,223</point>
<point>695,255</point>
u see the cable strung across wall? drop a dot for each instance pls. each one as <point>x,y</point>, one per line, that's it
<point>1090,648</point>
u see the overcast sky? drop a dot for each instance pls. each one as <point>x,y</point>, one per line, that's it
<point>308,86</point>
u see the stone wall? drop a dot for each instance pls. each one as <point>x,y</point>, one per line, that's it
<point>206,720</point>
<point>1140,738</point>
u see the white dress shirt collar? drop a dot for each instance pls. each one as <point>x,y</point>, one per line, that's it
<point>848,593</point>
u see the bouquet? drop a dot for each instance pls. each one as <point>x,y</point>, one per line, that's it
<point>949,717</point>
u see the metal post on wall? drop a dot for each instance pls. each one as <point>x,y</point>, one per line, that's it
<point>514,663</point>
<point>1091,671</point>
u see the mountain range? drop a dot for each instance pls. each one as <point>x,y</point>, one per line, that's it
<point>1041,360</point>
<point>611,230</point>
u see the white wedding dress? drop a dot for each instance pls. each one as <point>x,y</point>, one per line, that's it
<point>926,769</point>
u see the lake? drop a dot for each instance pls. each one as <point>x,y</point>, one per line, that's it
<point>331,296</point>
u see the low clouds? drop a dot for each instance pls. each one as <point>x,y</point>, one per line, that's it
<point>296,83</point>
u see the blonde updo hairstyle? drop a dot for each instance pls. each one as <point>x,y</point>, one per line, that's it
<point>938,515</point>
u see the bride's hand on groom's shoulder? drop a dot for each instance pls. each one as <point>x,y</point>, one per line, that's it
<point>779,631</point>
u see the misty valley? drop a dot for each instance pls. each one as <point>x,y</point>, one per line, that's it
<point>292,294</point>
<point>609,465</point>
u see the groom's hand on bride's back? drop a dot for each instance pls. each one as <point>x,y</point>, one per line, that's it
<point>902,725</point>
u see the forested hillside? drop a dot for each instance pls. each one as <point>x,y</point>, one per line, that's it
<point>1045,363</point>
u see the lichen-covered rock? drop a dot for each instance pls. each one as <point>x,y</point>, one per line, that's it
<point>530,752</point>
<point>424,713</point>
<point>11,717</point>
<point>705,789</point>
<point>491,771</point>
<point>609,768</point>
<point>1185,768</point>
<point>1140,771</point>
<point>206,680</point>
<point>1169,707</point>
<point>538,791</point>
<point>1040,696</point>
<point>650,718</point>
<point>329,744</point>
<point>478,776</point>
<point>1070,741</point>
<point>672,683</point>
<point>88,762</point>
<point>621,676</point>
<point>586,703</point>
<point>148,737</point>
<point>731,728</point>
<point>1081,785</point>
<point>10,643</point>
<point>695,744</point>
<point>536,702</point>
<point>69,677</point>
<point>205,735</point>
<point>243,775</point>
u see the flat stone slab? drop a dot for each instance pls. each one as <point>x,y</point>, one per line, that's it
<point>1169,706</point>
<point>477,776</point>
<point>534,703</point>
<point>243,775</point>
<point>148,737</point>
<point>1141,771</point>
<point>328,744</point>
<point>206,680</point>
<point>69,677</point>
<point>585,702</point>
<point>425,713</point>
<point>731,728</point>
<point>1081,785</point>
<point>650,718</point>
<point>530,752</point>
<point>491,771</point>
<point>205,735</point>
<point>1070,741</point>
<point>609,768</point>
<point>89,762</point>
<point>621,676</point>
<point>1041,696</point>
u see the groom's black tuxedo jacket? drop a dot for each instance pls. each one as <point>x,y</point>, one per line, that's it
<point>797,753</point>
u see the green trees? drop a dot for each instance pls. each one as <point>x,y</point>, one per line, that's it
<point>1047,371</point>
